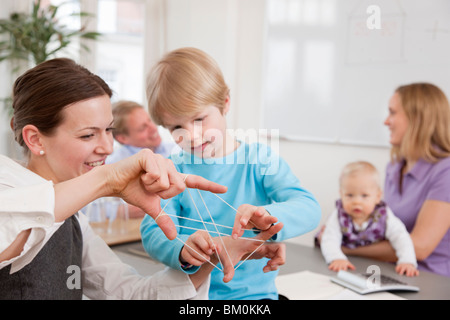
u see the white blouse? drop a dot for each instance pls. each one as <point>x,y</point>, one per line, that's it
<point>27,202</point>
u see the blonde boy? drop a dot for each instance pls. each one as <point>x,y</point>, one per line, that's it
<point>188,95</point>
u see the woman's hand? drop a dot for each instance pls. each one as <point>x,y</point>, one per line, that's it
<point>240,249</point>
<point>144,178</point>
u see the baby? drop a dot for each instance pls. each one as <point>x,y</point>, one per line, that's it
<point>362,218</point>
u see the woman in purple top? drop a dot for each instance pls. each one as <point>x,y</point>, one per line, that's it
<point>417,185</point>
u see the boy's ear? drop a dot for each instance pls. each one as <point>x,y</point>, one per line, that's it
<point>33,139</point>
<point>227,105</point>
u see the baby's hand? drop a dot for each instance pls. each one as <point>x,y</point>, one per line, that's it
<point>341,264</point>
<point>407,269</point>
<point>249,216</point>
<point>198,249</point>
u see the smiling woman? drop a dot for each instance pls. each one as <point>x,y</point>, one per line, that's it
<point>39,97</point>
<point>85,127</point>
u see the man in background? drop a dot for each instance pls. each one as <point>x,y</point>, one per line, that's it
<point>134,130</point>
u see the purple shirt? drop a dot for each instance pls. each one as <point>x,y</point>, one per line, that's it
<point>426,181</point>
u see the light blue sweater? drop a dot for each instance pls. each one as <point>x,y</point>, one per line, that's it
<point>254,175</point>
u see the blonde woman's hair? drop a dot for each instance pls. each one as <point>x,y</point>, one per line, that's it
<point>183,83</point>
<point>120,111</point>
<point>359,167</point>
<point>428,134</point>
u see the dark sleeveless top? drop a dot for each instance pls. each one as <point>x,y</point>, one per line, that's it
<point>48,276</point>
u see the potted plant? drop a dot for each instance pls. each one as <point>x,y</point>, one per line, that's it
<point>37,36</point>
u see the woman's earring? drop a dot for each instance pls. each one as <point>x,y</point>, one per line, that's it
<point>41,152</point>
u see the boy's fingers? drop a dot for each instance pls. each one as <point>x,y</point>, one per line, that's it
<point>269,233</point>
<point>268,220</point>
<point>243,216</point>
<point>205,245</point>
<point>195,259</point>
<point>255,216</point>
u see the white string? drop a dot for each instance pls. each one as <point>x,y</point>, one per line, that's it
<point>228,204</point>
<point>248,256</point>
<point>204,225</point>
<point>215,226</point>
<point>162,210</point>
<point>219,225</point>
<point>220,233</point>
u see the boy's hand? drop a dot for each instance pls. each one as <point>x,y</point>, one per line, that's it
<point>249,216</point>
<point>201,242</point>
<point>236,250</point>
<point>341,264</point>
<point>407,269</point>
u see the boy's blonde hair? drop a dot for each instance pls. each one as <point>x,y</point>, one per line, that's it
<point>357,168</point>
<point>428,132</point>
<point>120,111</point>
<point>183,83</point>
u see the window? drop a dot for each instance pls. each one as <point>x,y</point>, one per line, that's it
<point>300,66</point>
<point>66,17</point>
<point>118,57</point>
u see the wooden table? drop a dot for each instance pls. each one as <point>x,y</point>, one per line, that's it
<point>119,232</point>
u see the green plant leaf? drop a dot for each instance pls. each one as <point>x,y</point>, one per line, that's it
<point>39,35</point>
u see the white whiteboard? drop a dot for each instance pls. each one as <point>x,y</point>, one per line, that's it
<point>329,77</point>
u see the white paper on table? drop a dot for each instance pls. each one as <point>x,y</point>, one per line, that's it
<point>307,285</point>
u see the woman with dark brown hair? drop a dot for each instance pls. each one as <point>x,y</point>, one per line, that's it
<point>63,120</point>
